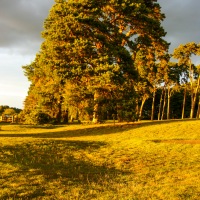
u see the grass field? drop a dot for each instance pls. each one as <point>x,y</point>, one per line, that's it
<point>150,160</point>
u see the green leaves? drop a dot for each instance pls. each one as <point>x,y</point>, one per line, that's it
<point>184,52</point>
<point>92,44</point>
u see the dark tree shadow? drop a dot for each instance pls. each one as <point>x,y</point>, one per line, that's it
<point>79,132</point>
<point>54,159</point>
<point>177,141</point>
<point>89,131</point>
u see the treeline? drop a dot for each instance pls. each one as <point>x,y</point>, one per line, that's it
<point>177,111</point>
<point>108,60</point>
<point>6,110</point>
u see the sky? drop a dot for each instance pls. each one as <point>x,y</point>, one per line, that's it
<point>21,23</point>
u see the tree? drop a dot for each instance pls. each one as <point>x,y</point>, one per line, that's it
<point>197,90</point>
<point>171,83</point>
<point>184,78</point>
<point>81,49</point>
<point>184,53</point>
<point>2,108</point>
<point>90,44</point>
<point>9,111</point>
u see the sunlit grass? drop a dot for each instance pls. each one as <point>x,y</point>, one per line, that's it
<point>151,160</point>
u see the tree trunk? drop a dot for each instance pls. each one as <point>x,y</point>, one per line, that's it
<point>184,100</point>
<point>192,105</point>
<point>96,108</point>
<point>153,104</point>
<point>191,75</point>
<point>65,117</point>
<point>119,115</point>
<point>59,114</point>
<point>160,106</point>
<point>168,102</point>
<point>137,110</point>
<point>193,98</point>
<point>141,108</point>
<point>164,103</point>
<point>198,111</point>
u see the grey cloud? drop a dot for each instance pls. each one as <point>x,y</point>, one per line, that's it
<point>182,22</point>
<point>21,22</point>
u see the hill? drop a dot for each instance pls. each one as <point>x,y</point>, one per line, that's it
<point>150,160</point>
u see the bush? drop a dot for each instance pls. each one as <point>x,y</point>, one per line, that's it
<point>36,117</point>
<point>42,118</point>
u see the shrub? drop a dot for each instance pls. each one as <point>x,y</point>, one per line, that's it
<point>36,117</point>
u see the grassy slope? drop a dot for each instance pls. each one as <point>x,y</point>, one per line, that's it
<point>146,161</point>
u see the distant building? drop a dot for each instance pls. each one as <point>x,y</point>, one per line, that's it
<point>8,118</point>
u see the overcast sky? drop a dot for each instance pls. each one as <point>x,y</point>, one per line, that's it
<point>21,22</point>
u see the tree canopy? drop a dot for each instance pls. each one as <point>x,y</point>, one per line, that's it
<point>92,47</point>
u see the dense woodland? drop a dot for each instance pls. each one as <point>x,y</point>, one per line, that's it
<point>108,59</point>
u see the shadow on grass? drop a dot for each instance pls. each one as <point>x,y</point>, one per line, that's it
<point>42,126</point>
<point>177,141</point>
<point>88,131</point>
<point>78,132</point>
<point>170,121</point>
<point>61,161</point>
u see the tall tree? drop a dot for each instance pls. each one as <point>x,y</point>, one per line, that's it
<point>172,82</point>
<point>184,54</point>
<point>157,78</point>
<point>197,90</point>
<point>184,78</point>
<point>89,43</point>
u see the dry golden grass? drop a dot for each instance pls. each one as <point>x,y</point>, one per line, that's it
<point>150,160</point>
